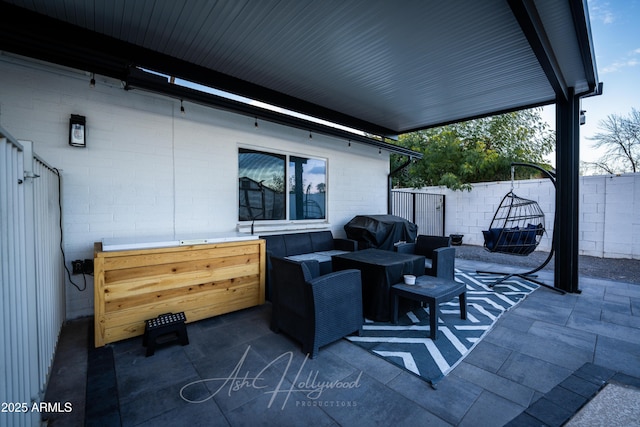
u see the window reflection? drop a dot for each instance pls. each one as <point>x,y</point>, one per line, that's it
<point>307,188</point>
<point>265,179</point>
<point>261,185</point>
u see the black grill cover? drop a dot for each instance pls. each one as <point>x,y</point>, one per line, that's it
<point>380,231</point>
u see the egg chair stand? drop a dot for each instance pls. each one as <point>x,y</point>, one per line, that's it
<point>516,229</point>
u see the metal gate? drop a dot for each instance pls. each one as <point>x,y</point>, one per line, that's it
<point>423,209</point>
<point>32,303</point>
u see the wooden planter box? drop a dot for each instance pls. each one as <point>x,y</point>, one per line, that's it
<point>131,286</point>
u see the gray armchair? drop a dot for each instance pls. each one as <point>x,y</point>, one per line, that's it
<point>315,310</point>
<point>439,255</point>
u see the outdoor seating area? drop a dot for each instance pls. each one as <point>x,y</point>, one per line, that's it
<point>320,294</point>
<point>516,375</point>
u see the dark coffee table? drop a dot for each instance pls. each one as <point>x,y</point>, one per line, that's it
<point>433,291</point>
<point>380,269</point>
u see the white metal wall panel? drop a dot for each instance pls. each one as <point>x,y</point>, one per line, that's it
<point>50,296</point>
<point>32,304</point>
<point>17,372</point>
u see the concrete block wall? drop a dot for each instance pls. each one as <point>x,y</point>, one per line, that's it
<point>149,171</point>
<point>621,216</point>
<point>592,205</point>
<point>609,213</point>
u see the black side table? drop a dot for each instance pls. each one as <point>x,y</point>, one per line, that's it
<point>433,291</point>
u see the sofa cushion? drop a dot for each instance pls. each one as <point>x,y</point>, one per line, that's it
<point>491,237</point>
<point>519,241</point>
<point>275,245</point>
<point>321,241</point>
<point>297,243</point>
<point>283,245</point>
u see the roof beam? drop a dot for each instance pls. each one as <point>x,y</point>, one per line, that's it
<point>142,80</point>
<point>580,14</point>
<point>527,16</point>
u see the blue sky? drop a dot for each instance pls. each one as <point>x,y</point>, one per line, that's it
<point>615,28</point>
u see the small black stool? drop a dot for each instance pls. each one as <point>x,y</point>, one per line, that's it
<point>162,326</point>
<point>433,291</point>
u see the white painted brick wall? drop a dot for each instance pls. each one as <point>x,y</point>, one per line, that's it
<point>609,212</point>
<point>149,171</point>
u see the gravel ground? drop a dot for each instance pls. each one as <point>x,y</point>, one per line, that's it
<point>624,270</point>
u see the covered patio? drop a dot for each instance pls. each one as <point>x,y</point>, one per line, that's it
<point>331,80</point>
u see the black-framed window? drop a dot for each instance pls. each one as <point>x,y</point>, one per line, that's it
<point>265,178</point>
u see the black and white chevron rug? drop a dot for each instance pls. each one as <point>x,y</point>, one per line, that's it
<point>408,345</point>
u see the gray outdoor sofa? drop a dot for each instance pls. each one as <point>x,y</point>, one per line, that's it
<point>311,242</point>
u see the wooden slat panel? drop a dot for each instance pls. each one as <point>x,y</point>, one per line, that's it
<point>149,286</point>
<point>178,268</point>
<point>98,297</point>
<point>202,281</point>
<point>130,323</point>
<point>185,302</point>
<point>138,258</point>
<point>117,304</point>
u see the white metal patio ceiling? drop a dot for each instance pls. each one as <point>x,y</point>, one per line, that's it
<point>382,66</point>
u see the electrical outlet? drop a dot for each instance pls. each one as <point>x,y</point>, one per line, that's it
<point>77,266</point>
<point>88,266</point>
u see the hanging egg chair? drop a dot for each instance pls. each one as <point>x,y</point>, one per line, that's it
<point>517,226</point>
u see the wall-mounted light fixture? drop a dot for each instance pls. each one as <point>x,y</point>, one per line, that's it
<point>77,131</point>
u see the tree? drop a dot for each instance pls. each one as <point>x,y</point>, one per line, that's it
<point>621,140</point>
<point>474,151</point>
